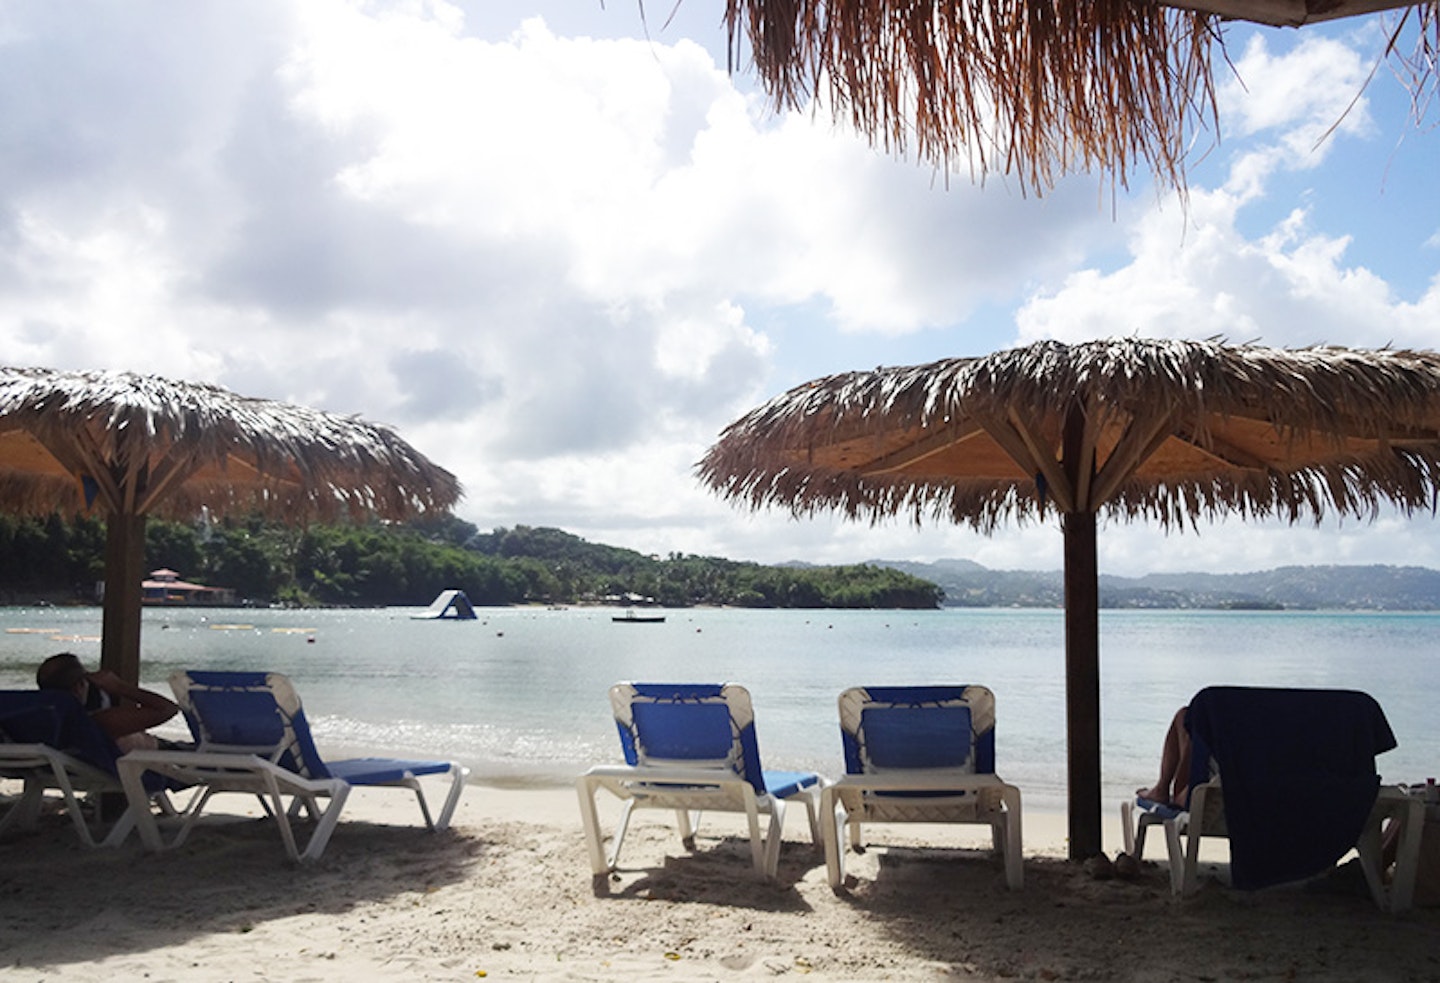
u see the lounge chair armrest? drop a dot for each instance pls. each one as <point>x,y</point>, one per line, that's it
<point>195,765</point>
<point>921,781</point>
<point>664,776</point>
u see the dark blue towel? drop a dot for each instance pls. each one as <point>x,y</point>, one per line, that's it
<point>1298,771</point>
<point>56,718</point>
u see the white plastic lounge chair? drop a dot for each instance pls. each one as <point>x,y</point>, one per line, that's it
<point>920,754</point>
<point>1139,814</point>
<point>1288,776</point>
<point>48,741</point>
<point>692,747</point>
<point>252,737</point>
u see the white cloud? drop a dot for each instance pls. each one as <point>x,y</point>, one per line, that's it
<point>561,261</point>
<point>1297,105</point>
<point>1300,94</point>
<point>1290,286</point>
<point>1196,269</point>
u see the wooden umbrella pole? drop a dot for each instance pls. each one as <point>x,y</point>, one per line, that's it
<point>124,562</point>
<point>1082,683</point>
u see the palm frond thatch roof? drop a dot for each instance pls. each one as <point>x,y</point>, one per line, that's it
<point>1167,430</point>
<point>141,444</point>
<point>1035,88</point>
<point>1172,430</point>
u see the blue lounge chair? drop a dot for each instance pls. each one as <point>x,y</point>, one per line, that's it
<point>48,741</point>
<point>252,737</point>
<point>689,748</point>
<point>1286,775</point>
<point>920,754</point>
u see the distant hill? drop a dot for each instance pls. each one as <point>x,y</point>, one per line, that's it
<point>1360,588</point>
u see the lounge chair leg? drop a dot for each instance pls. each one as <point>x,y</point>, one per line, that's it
<point>689,824</point>
<point>773,837</point>
<point>282,818</point>
<point>1190,878</point>
<point>620,829</point>
<point>457,784</point>
<point>1014,861</point>
<point>1180,867</point>
<point>72,805</point>
<point>26,811</point>
<point>320,837</point>
<point>590,820</point>
<point>424,806</point>
<point>834,816</point>
<point>458,775</point>
<point>121,830</point>
<point>812,812</point>
<point>759,848</point>
<point>1411,817</point>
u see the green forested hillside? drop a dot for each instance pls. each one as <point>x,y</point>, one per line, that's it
<point>383,564</point>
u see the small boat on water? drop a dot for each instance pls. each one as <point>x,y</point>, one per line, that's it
<point>630,617</point>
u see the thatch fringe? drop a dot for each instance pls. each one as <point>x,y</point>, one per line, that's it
<point>156,446</point>
<point>1032,88</point>
<point>1195,430</point>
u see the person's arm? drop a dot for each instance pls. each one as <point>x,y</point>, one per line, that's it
<point>134,710</point>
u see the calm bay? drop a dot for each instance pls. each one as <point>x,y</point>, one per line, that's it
<point>520,694</point>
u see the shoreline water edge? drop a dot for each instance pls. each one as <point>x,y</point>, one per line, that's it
<point>519,694</point>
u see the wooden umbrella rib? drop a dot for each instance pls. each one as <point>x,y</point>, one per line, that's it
<point>1136,446</point>
<point>1222,451</point>
<point>927,446</point>
<point>166,475</point>
<point>81,458</point>
<point>62,447</point>
<point>1028,451</point>
<point>110,462</point>
<point>135,464</point>
<point>1084,471</point>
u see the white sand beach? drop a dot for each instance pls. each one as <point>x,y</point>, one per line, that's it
<point>507,894</point>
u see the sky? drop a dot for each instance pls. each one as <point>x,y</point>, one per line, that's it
<point>560,245</point>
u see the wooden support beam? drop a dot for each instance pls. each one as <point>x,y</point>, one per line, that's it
<point>1287,13</point>
<point>124,570</point>
<point>928,446</point>
<point>1044,462</point>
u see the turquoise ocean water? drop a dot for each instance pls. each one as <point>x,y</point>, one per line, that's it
<point>519,695</point>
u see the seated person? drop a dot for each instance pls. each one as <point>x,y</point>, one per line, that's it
<point>1173,788</point>
<point>122,710</point>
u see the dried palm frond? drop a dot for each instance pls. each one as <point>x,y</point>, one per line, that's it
<point>1034,88</point>
<point>141,444</point>
<point>1169,430</point>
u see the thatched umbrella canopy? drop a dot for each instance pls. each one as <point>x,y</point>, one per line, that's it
<point>133,446</point>
<point>1174,431</point>
<point>1036,88</point>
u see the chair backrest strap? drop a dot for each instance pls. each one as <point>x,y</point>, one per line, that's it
<point>695,725</point>
<point>909,728</point>
<point>250,712</point>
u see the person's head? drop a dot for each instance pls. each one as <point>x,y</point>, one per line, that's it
<point>63,672</point>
